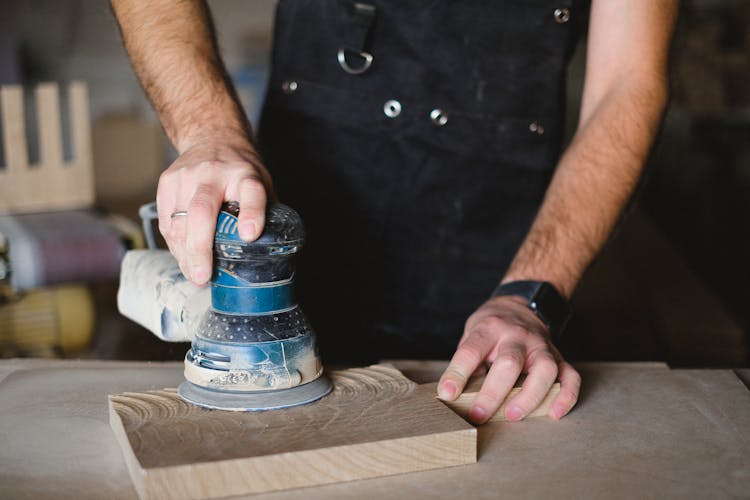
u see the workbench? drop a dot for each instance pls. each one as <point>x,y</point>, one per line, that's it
<point>639,430</point>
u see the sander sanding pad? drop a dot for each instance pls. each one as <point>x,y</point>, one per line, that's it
<point>255,401</point>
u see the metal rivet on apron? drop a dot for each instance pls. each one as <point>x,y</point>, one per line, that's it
<point>562,15</point>
<point>289,86</point>
<point>438,117</point>
<point>392,108</point>
<point>536,127</point>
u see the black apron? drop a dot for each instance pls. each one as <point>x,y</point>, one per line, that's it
<point>418,178</point>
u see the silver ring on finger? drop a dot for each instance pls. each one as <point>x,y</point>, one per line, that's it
<point>178,213</point>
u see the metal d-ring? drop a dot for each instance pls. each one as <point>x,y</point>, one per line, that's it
<point>365,56</point>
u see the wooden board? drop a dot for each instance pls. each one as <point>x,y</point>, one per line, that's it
<point>463,402</point>
<point>375,423</point>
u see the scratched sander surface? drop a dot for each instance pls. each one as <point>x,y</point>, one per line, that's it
<point>638,432</point>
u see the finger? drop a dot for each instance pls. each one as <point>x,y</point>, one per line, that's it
<point>252,208</point>
<point>468,357</point>
<point>175,239</point>
<point>165,205</point>
<point>173,229</point>
<point>201,226</point>
<point>542,373</point>
<point>570,386</point>
<point>499,381</point>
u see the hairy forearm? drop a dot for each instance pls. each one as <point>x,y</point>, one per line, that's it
<point>173,48</point>
<point>624,97</point>
<point>593,182</point>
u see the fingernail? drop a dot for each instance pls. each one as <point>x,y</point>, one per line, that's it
<point>447,390</point>
<point>514,413</point>
<point>199,274</point>
<point>248,230</point>
<point>478,414</point>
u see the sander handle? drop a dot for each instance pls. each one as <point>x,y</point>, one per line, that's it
<point>155,294</point>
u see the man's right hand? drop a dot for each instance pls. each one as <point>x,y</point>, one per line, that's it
<point>175,54</point>
<point>198,182</point>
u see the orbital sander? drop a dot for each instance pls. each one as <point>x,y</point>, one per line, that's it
<point>252,347</point>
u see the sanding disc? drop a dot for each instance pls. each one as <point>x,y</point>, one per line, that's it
<point>255,401</point>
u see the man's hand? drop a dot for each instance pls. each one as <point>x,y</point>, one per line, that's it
<point>198,182</point>
<point>174,52</point>
<point>509,337</point>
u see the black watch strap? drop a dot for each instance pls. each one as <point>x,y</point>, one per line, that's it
<point>542,298</point>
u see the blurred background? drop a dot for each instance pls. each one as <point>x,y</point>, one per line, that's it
<point>671,285</point>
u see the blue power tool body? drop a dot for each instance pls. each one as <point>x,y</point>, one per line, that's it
<point>254,348</point>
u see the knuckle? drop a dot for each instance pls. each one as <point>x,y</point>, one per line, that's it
<point>572,377</point>
<point>512,360</point>
<point>489,324</point>
<point>173,233</point>
<point>547,367</point>
<point>253,179</point>
<point>166,177</point>
<point>252,173</point>
<point>200,244</point>
<point>518,331</point>
<point>575,380</point>
<point>171,237</point>
<point>567,399</point>
<point>196,254</point>
<point>252,186</point>
<point>491,395</point>
<point>203,198</point>
<point>470,353</point>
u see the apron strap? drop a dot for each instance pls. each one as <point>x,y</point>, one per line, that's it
<point>357,28</point>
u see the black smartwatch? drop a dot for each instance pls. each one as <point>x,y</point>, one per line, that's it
<point>542,298</point>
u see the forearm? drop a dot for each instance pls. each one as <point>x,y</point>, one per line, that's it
<point>624,97</point>
<point>173,49</point>
<point>593,182</point>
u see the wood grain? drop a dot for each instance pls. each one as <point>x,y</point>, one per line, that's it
<point>375,423</point>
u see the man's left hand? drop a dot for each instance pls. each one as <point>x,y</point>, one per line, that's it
<point>505,334</point>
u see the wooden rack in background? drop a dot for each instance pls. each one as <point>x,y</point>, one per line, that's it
<point>53,183</point>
